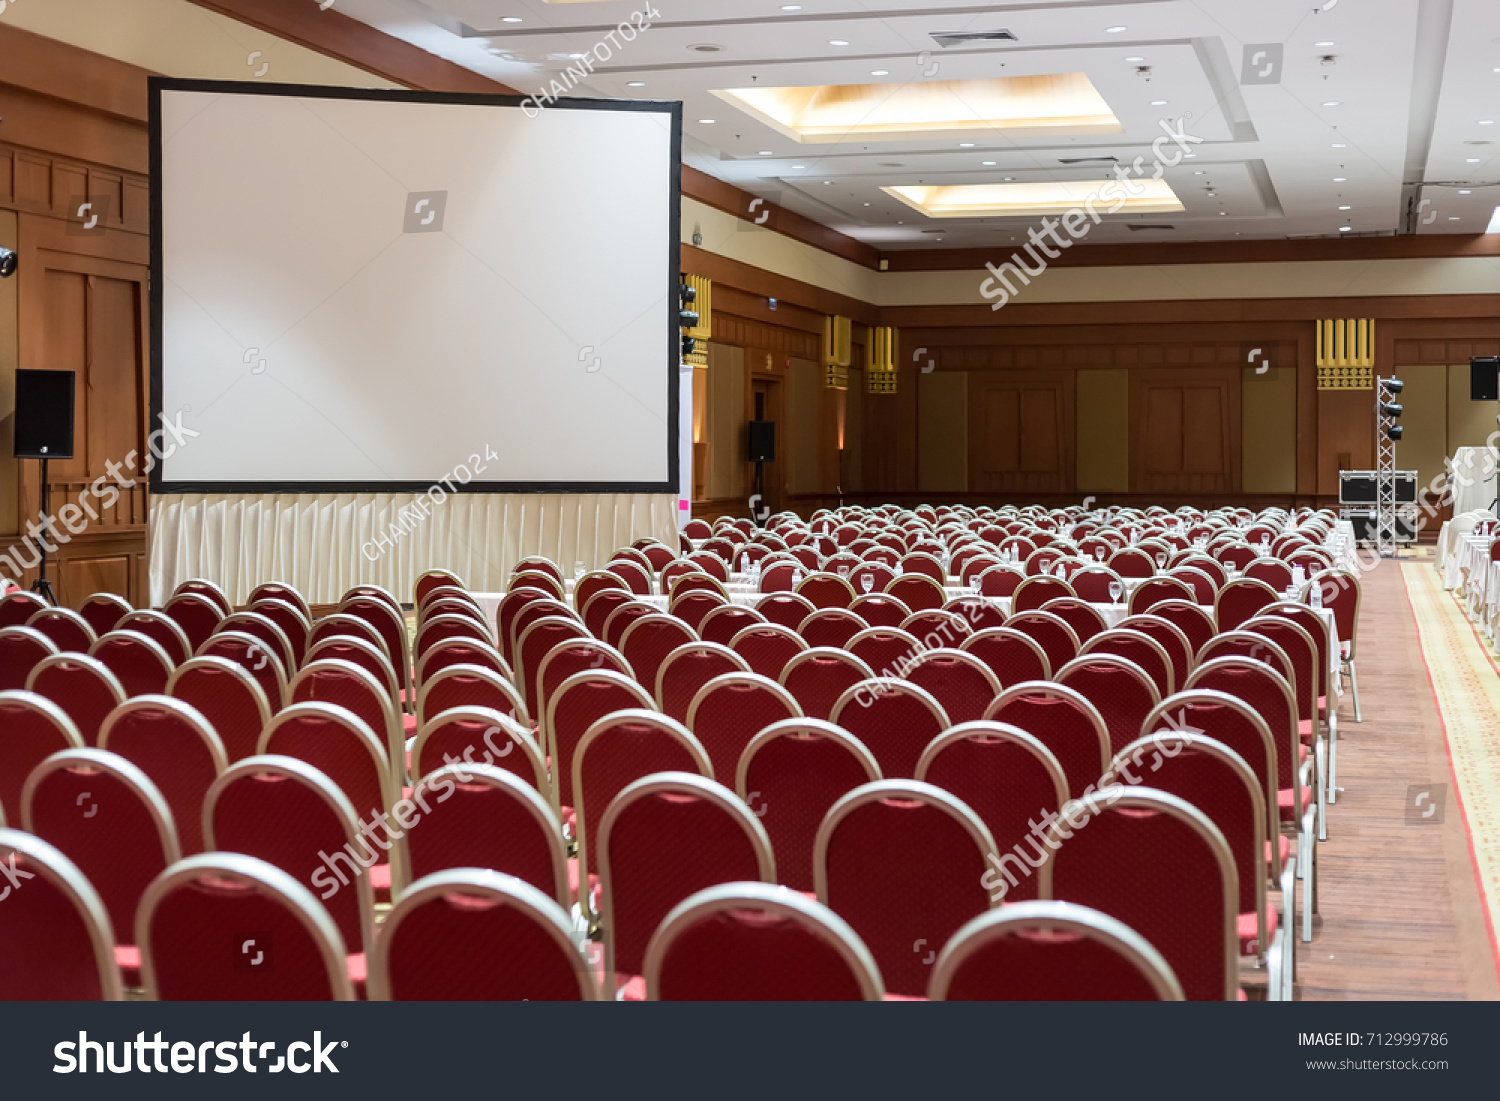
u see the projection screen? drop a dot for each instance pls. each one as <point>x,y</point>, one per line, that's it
<point>365,291</point>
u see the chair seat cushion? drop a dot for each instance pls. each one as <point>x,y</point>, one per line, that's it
<point>128,960</point>
<point>1246,927</point>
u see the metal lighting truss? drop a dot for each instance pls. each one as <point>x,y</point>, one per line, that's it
<point>1385,470</point>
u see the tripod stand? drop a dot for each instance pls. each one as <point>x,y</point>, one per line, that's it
<point>41,586</point>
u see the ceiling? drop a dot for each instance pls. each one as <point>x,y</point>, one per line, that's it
<point>1381,132</point>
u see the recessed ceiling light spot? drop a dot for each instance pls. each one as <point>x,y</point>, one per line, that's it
<point>511,19</point>
<point>1340,179</point>
<point>1471,160</point>
<point>837,42</point>
<point>1134,59</point>
<point>1486,122</point>
<point>880,72</point>
<point>966,145</point>
<point>988,164</point>
<point>791,7</point>
<point>1158,103</point>
<point>766,153</point>
<point>1453,217</point>
<point>1345,229</point>
<point>1340,145</point>
<point>1115,30</point>
<point>1465,191</point>
<point>635,84</point>
<point>1332,103</point>
<point>1346,208</point>
<point>1323,45</point>
<point>706,122</point>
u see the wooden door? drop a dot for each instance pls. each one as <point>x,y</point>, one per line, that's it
<point>1185,431</point>
<point>1021,432</point>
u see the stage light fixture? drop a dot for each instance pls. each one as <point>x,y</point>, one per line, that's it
<point>1394,432</point>
<point>1390,408</point>
<point>1392,385</point>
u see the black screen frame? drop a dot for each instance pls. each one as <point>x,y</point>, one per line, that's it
<point>156,85</point>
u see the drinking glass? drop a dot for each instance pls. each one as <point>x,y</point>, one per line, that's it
<point>577,571</point>
<point>844,570</point>
<point>1115,589</point>
<point>1099,555</point>
<point>1161,560</point>
<point>867,582</point>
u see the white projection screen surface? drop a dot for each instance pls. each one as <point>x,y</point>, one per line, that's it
<point>358,291</point>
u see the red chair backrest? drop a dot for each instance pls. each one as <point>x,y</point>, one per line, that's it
<point>107,818</point>
<point>1004,775</point>
<point>767,647</point>
<point>1011,655</point>
<point>622,617</point>
<point>1269,696</point>
<point>895,721</point>
<point>1121,691</point>
<point>58,943</point>
<point>1064,721</point>
<point>17,607</point>
<point>648,641</point>
<point>691,605</point>
<point>1051,633</point>
<point>574,655</point>
<point>141,666</point>
<point>533,644</point>
<point>103,611</point>
<point>82,686</point>
<point>22,649</point>
<point>470,686</point>
<point>68,630</point>
<point>228,697</point>
<point>826,590</point>
<point>1078,614</point>
<point>687,669</point>
<point>198,616</point>
<point>462,735</point>
<point>917,591</point>
<point>293,624</point>
<point>730,710</point>
<point>977,612</point>
<point>172,743</point>
<point>505,615</point>
<point>1154,590</point>
<point>1139,648</point>
<point>579,702</point>
<point>903,863</point>
<point>960,682</point>
<point>271,637</point>
<point>713,837</point>
<point>344,685</point>
<point>789,775</point>
<point>251,655</point>
<point>831,627</point>
<point>599,607</point>
<point>785,609</point>
<point>1170,638</point>
<point>459,651</point>
<point>817,677</point>
<point>722,624</point>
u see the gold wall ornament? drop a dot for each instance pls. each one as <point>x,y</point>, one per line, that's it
<point>838,341</point>
<point>881,351</point>
<point>1346,353</point>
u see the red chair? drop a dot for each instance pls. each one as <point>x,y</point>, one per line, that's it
<point>1209,775</point>
<point>658,554</point>
<point>387,620</point>
<point>1064,721</point>
<point>103,611</point>
<point>31,729</point>
<point>1248,644</point>
<point>721,624</point>
<point>574,655</point>
<point>198,616</point>
<point>595,582</point>
<point>68,630</point>
<point>539,579</point>
<point>293,624</point>
<point>1159,865</point>
<point>1050,632</point>
<point>105,816</point>
<point>1004,775</point>
<point>925,564</point>
<point>960,682</point>
<point>1273,571</point>
<point>1000,581</point>
<point>338,743</point>
<point>173,744</point>
<point>141,666</point>
<point>826,590</point>
<point>1144,651</point>
<point>880,573</point>
<point>17,607</point>
<point>755,942</point>
<point>348,626</point>
<point>785,609</point>
<point>937,628</point>
<point>902,863</point>
<point>789,775</point>
<point>687,669</point>
<point>432,580</point>
<point>470,686</point>
<point>1122,692</point>
<point>208,591</point>
<point>635,575</point>
<point>714,558</point>
<point>895,721</point>
<point>616,751</point>
<point>1204,587</point>
<point>1012,656</point>
<point>1078,614</point>
<point>437,628</point>
<point>534,643</point>
<point>767,648</point>
<point>693,581</point>
<point>469,935</point>
<point>917,591</point>
<point>252,656</point>
<point>228,698</point>
<point>462,736</point>
<point>817,677</point>
<point>881,610</point>
<point>602,605</point>
<point>481,816</point>
<point>511,605</point>
<point>344,684</point>
<point>647,642</point>
<point>22,649</point>
<point>977,612</point>
<point>59,945</point>
<point>1193,621</point>
<point>290,815</point>
<point>1154,590</point>
<point>697,529</point>
<point>579,702</point>
<point>1170,638</point>
<point>461,651</point>
<point>1205,565</point>
<point>730,710</point>
<point>831,627</point>
<point>1050,951</point>
<point>622,617</point>
<point>691,606</point>
<point>275,590</point>
<point>272,639</point>
<point>82,687</point>
<point>161,630</point>
<point>537,563</point>
<point>182,923</point>
<point>1092,584</point>
<point>713,837</point>
<point>1132,562</point>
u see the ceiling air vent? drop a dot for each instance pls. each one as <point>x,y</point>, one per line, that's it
<point>959,38</point>
<point>1137,228</point>
<point>1088,160</point>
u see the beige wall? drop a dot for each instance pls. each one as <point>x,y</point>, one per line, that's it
<point>1424,419</point>
<point>726,421</point>
<point>176,38</point>
<point>1103,418</point>
<point>942,431</point>
<point>1268,431</point>
<point>854,432</point>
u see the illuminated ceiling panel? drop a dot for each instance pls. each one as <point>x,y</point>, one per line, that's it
<point>1029,200</point>
<point>1054,104</point>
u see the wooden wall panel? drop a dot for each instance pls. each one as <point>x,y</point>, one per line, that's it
<point>1021,432</point>
<point>942,431</point>
<point>1185,429</point>
<point>1103,419</point>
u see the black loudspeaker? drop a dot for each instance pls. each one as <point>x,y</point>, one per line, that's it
<point>762,441</point>
<point>1484,378</point>
<point>44,414</point>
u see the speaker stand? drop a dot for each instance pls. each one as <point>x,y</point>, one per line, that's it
<point>41,586</point>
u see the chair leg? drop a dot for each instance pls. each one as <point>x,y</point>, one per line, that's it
<point>1354,684</point>
<point>1324,791</point>
<point>1333,761</point>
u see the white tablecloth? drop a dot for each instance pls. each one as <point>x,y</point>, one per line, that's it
<point>1471,474</point>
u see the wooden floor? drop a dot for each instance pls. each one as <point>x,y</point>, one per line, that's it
<point>1400,913</point>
